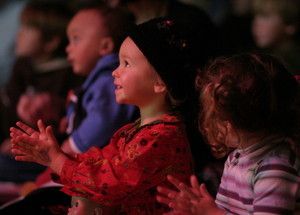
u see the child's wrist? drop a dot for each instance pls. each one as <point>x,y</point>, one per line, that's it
<point>57,162</point>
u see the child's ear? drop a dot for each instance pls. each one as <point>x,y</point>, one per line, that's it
<point>229,127</point>
<point>159,86</point>
<point>106,46</point>
<point>290,29</point>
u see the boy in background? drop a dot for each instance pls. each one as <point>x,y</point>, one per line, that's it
<point>41,73</point>
<point>275,29</point>
<point>95,34</point>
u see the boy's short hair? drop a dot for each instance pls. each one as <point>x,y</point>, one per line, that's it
<point>49,17</point>
<point>118,21</point>
<point>288,10</point>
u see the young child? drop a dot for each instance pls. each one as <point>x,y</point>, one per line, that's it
<point>250,104</point>
<point>276,29</point>
<point>95,34</point>
<point>40,69</point>
<point>155,74</point>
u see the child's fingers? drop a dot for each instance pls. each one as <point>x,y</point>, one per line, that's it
<point>167,192</point>
<point>21,154</point>
<point>25,158</point>
<point>194,181</point>
<point>25,142</point>
<point>204,192</point>
<point>195,185</point>
<point>28,130</point>
<point>41,126</point>
<point>184,189</point>
<point>17,152</point>
<point>163,200</point>
<point>174,181</point>
<point>15,132</point>
<point>20,148</point>
<point>50,134</point>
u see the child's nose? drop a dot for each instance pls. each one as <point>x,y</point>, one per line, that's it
<point>68,49</point>
<point>115,73</point>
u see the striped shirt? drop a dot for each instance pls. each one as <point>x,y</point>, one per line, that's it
<point>261,179</point>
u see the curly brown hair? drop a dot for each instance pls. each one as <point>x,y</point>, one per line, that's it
<point>254,92</point>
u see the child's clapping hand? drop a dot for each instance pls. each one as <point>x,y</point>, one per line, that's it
<point>36,146</point>
<point>188,200</point>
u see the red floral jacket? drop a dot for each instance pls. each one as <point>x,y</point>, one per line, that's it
<point>127,171</point>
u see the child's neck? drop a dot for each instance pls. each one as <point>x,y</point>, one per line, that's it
<point>248,139</point>
<point>150,114</point>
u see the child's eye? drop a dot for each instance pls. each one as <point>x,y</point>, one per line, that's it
<point>74,39</point>
<point>126,64</point>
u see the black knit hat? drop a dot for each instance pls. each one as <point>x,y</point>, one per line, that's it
<point>172,48</point>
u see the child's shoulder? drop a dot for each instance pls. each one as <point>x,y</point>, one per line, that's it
<point>168,123</point>
<point>280,158</point>
<point>168,126</point>
<point>102,72</point>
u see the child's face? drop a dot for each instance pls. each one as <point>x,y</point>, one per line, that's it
<point>135,77</point>
<point>268,30</point>
<point>29,42</point>
<point>85,32</point>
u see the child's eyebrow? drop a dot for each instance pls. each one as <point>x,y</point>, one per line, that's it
<point>123,55</point>
<point>72,30</point>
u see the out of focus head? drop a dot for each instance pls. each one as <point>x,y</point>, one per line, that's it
<point>275,21</point>
<point>95,31</point>
<point>42,29</point>
<point>241,7</point>
<point>252,93</point>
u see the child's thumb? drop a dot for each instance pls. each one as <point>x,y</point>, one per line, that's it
<point>41,125</point>
<point>204,191</point>
<point>50,134</point>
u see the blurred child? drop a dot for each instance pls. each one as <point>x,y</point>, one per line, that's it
<point>236,26</point>
<point>95,34</point>
<point>157,75</point>
<point>250,104</point>
<point>41,69</point>
<point>276,30</point>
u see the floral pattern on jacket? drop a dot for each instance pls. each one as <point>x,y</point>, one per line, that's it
<point>127,171</point>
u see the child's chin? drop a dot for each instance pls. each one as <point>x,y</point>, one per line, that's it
<point>122,102</point>
<point>79,72</point>
<point>119,101</point>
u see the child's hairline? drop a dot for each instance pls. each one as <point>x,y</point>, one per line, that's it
<point>274,8</point>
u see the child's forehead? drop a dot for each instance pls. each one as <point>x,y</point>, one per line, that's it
<point>266,8</point>
<point>87,18</point>
<point>129,48</point>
